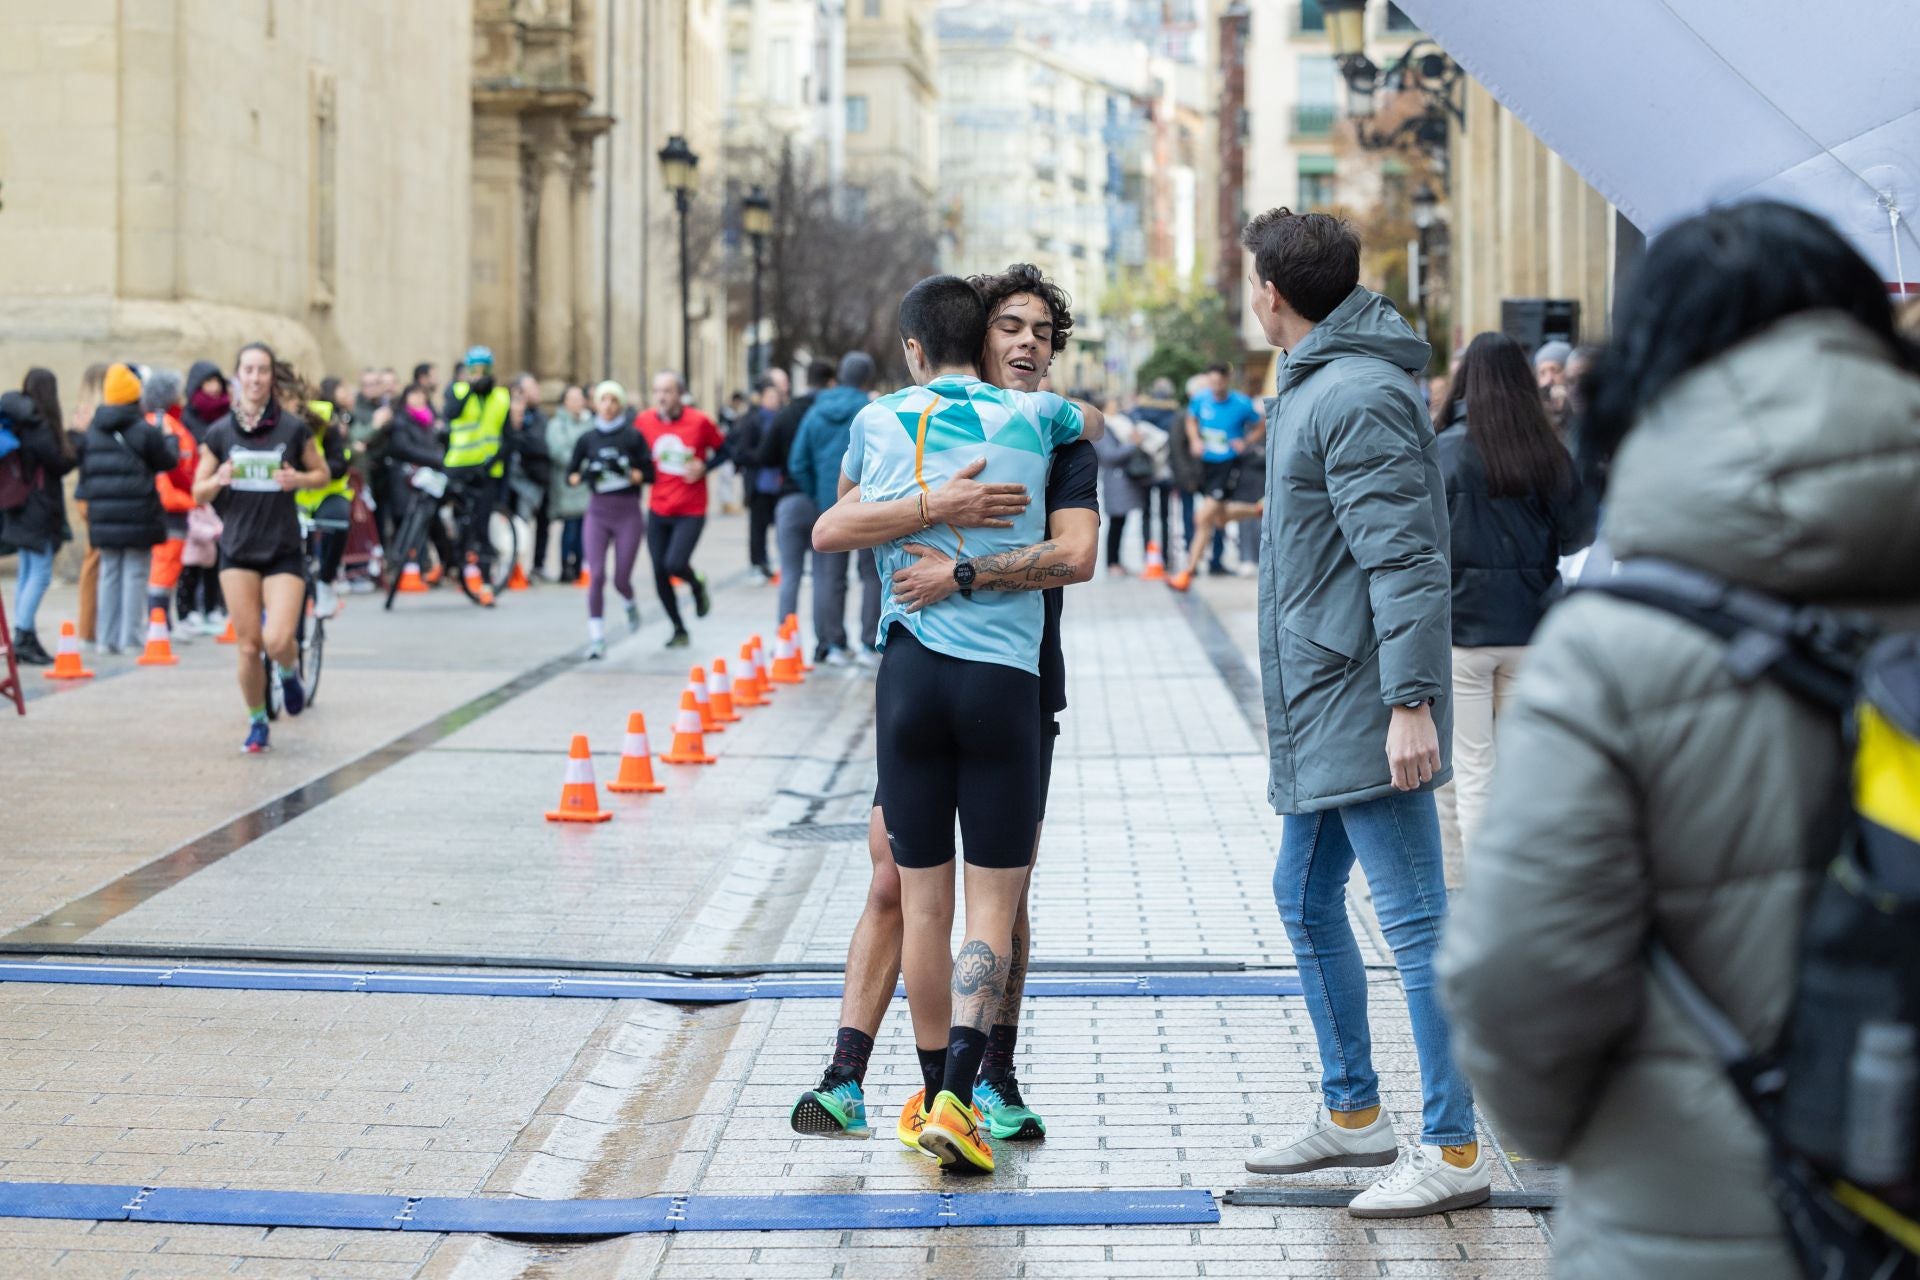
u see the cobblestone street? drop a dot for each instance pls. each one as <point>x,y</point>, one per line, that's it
<point>418,833</point>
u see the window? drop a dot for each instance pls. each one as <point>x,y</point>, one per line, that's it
<point>780,71</point>
<point>873,8</point>
<point>736,75</point>
<point>1316,183</point>
<point>1317,77</point>
<point>1311,16</point>
<point>1398,20</point>
<point>857,113</point>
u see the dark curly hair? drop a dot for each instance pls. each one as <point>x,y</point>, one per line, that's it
<point>1024,277</point>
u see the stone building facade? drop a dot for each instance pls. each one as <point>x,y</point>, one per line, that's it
<point>181,176</point>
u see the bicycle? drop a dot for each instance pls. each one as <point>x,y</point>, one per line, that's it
<point>440,497</point>
<point>310,630</point>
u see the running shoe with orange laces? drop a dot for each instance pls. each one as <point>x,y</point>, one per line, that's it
<point>953,1136</point>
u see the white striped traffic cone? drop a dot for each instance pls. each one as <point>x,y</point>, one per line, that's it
<point>579,800</point>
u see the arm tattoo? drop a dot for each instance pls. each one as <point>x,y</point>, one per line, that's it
<point>1020,570</point>
<point>979,984</point>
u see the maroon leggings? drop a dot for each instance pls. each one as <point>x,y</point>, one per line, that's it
<point>612,518</point>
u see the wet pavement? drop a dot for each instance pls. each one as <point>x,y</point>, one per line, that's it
<point>423,837</point>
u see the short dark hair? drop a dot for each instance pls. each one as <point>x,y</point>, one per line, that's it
<point>819,373</point>
<point>1221,369</point>
<point>1024,277</point>
<point>421,370</point>
<point>945,315</point>
<point>1313,259</point>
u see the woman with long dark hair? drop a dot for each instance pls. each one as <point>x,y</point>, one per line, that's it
<point>1762,420</point>
<point>251,463</point>
<point>1514,508</point>
<point>37,527</point>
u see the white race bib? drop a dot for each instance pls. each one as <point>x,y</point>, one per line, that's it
<point>253,468</point>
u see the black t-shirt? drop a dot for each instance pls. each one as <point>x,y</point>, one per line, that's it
<point>606,460</point>
<point>261,521</point>
<point>1073,484</point>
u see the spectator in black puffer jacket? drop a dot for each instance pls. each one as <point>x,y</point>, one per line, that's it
<point>1514,507</point>
<point>120,455</point>
<point>37,527</point>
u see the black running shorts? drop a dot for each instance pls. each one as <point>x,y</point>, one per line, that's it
<point>957,737</point>
<point>1049,738</point>
<point>1220,480</point>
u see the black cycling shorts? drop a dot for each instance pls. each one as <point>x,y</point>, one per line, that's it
<point>293,562</point>
<point>1049,737</point>
<point>1220,480</point>
<point>957,738</point>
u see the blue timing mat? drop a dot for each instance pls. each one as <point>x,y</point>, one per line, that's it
<point>499,1216</point>
<point>668,989</point>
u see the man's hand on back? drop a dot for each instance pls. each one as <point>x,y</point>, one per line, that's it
<point>1413,747</point>
<point>965,503</point>
<point>927,581</point>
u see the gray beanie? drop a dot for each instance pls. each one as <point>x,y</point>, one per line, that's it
<point>1554,352</point>
<point>856,370</point>
<point>161,391</point>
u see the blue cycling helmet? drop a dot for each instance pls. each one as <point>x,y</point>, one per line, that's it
<point>479,355</point>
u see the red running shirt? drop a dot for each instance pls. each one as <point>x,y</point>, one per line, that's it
<point>674,444</point>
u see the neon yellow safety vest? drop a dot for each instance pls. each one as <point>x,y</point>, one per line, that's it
<point>475,436</point>
<point>312,498</point>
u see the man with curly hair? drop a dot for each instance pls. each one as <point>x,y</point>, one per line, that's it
<point>1028,320</point>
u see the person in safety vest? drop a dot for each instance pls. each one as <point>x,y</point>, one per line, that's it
<point>477,410</point>
<point>330,508</point>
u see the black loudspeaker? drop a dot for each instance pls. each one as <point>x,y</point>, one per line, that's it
<point>1532,321</point>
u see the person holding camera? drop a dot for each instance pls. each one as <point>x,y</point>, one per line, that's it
<point>616,463</point>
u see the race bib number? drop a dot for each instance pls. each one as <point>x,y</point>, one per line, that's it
<point>253,469</point>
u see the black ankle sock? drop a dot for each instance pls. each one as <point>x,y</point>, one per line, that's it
<point>998,1062</point>
<point>851,1049</point>
<point>933,1069</point>
<point>965,1047</point>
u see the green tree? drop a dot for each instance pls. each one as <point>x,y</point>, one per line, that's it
<point>1190,326</point>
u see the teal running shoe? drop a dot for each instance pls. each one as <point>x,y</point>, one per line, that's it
<point>1007,1115</point>
<point>837,1109</point>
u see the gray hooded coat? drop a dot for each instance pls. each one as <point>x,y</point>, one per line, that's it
<point>1354,589</point>
<point>1642,789</point>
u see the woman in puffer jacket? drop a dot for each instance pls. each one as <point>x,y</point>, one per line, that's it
<point>121,455</point>
<point>1763,424</point>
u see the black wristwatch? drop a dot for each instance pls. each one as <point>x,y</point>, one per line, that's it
<point>963,576</point>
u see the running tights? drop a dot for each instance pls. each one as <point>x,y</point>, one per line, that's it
<point>670,544</point>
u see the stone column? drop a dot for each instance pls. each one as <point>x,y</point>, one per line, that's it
<point>553,258</point>
<point>587,294</point>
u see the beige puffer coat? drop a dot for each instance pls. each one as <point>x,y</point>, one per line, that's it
<point>1640,788</point>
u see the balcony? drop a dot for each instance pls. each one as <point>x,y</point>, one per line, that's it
<point>1314,119</point>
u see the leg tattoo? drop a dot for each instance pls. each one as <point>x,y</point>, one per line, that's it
<point>1008,1014</point>
<point>979,984</point>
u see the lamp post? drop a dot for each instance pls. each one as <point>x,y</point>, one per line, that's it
<point>1426,207</point>
<point>677,165</point>
<point>1424,66</point>
<point>756,219</point>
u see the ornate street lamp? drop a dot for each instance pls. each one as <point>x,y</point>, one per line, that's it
<point>756,219</point>
<point>1424,66</point>
<point>677,165</point>
<point>1426,207</point>
<point>1426,210</point>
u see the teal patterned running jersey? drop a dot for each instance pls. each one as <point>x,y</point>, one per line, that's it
<point>915,440</point>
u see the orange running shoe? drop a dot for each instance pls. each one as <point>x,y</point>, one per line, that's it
<point>1180,581</point>
<point>953,1136</point>
<point>913,1118</point>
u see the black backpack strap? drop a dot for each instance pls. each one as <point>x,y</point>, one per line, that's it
<point>1808,650</point>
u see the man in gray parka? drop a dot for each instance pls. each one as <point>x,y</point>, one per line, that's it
<point>1355,666</point>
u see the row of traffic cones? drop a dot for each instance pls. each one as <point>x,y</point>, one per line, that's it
<point>68,665</point>
<point>707,705</point>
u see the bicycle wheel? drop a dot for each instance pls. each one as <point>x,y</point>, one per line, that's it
<point>312,652</point>
<point>504,534</point>
<point>407,542</point>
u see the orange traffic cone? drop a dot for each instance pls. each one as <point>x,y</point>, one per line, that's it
<point>584,581</point>
<point>636,759</point>
<point>434,575</point>
<point>688,746</point>
<point>410,580</point>
<point>227,636</point>
<point>66,663</point>
<point>746,690</point>
<point>579,801</point>
<point>703,701</point>
<point>763,674</point>
<point>518,581</point>
<point>1156,567</point>
<point>159,651</point>
<point>720,693</point>
<point>786,661</point>
<point>799,646</point>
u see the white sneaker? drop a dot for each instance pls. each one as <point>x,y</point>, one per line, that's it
<point>1422,1182</point>
<point>865,657</point>
<point>194,624</point>
<point>838,657</point>
<point>325,602</point>
<point>1325,1145</point>
<point>216,623</point>
<point>1246,570</point>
